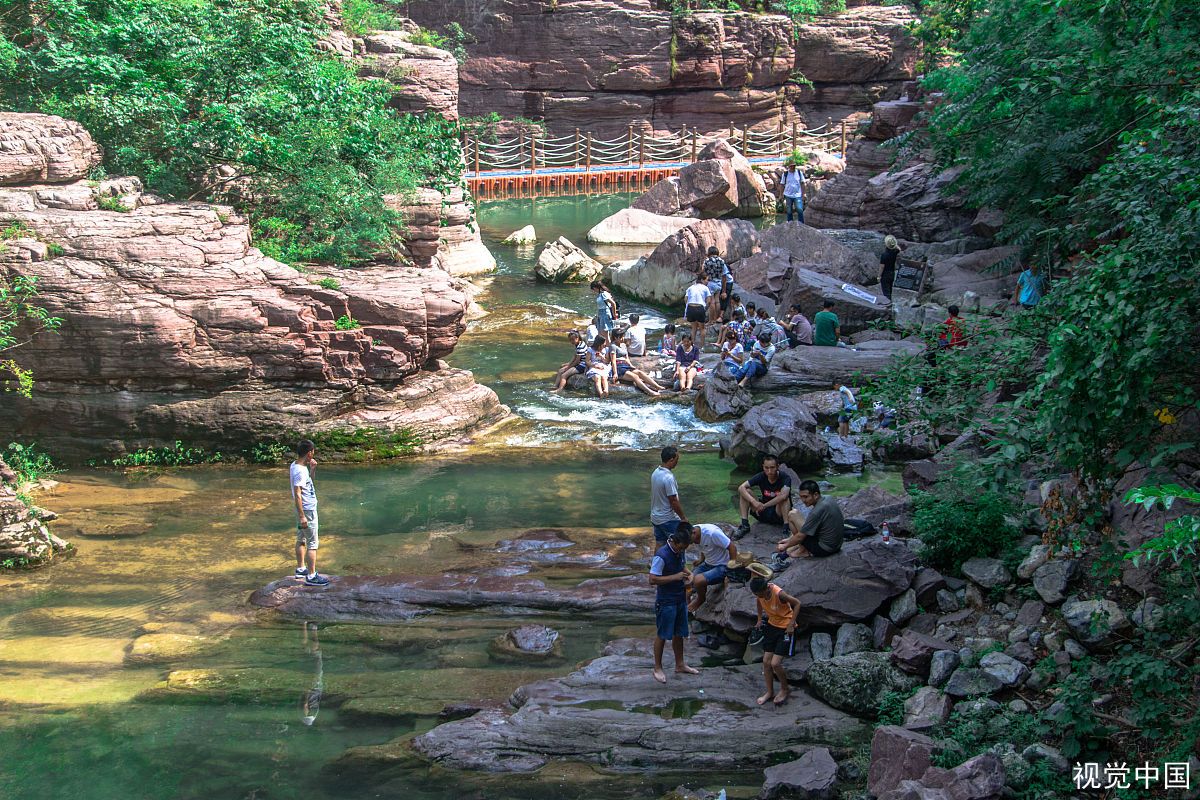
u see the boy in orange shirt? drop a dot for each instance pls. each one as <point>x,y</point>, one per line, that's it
<point>779,635</point>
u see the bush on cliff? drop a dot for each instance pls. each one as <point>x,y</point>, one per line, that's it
<point>230,98</point>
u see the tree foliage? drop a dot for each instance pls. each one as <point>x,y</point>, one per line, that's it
<point>20,319</point>
<point>230,97</point>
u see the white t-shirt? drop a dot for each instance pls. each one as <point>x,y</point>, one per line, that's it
<point>848,401</point>
<point>697,294</point>
<point>636,335</point>
<point>714,545</point>
<point>308,493</point>
<point>662,488</point>
<point>728,350</point>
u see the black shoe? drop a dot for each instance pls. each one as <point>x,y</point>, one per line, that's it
<point>779,562</point>
<point>756,636</point>
<point>742,530</point>
<point>316,579</point>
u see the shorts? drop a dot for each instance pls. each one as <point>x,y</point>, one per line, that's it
<point>714,287</point>
<point>724,302</point>
<point>581,368</point>
<point>308,536</point>
<point>814,547</point>
<point>778,641</point>
<point>695,313</point>
<point>845,416</point>
<point>768,515</point>
<point>622,369</point>
<point>664,529</point>
<point>671,620</point>
<point>713,575</point>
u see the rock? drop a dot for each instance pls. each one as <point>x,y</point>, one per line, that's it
<point>844,453</point>
<point>791,281</point>
<point>981,708</point>
<point>24,537</point>
<point>561,262</point>
<point>1038,752</point>
<point>431,74</point>
<point>1021,651</point>
<point>941,666</point>
<point>876,506</point>
<point>857,682</point>
<point>721,397</point>
<point>921,474</point>
<point>926,710</point>
<point>749,185</point>
<point>890,118</point>
<point>440,232</point>
<point>852,637</point>
<point>882,632</point>
<point>1052,578</point>
<point>1005,669</point>
<point>988,222</point>
<point>1037,556</point>
<point>161,648</point>
<point>845,587</point>
<point>970,682</point>
<point>1074,649</point>
<point>1094,621</point>
<point>914,652</point>
<point>703,189</point>
<point>635,226</point>
<point>783,427</point>
<point>981,278</point>
<point>904,607</point>
<point>927,584</point>
<point>897,755</point>
<point>593,716</point>
<point>1149,614</point>
<point>527,643</point>
<point>947,601</point>
<point>813,776</point>
<point>987,572</point>
<point>807,369</point>
<point>1030,613</point>
<point>526,235</point>
<point>663,276</point>
<point>812,249</point>
<point>821,646</point>
<point>924,623</point>
<point>40,148</point>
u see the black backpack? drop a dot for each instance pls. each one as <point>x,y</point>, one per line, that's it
<point>857,529</point>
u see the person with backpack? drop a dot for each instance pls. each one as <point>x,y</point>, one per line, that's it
<point>849,407</point>
<point>793,191</point>
<point>607,312</point>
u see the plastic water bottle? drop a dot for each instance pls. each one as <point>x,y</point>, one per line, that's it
<point>886,533</point>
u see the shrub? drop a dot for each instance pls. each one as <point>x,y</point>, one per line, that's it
<point>429,38</point>
<point>29,463</point>
<point>955,527</point>
<point>346,323</point>
<point>112,204</point>
<point>361,17</point>
<point>177,455</point>
<point>329,283</point>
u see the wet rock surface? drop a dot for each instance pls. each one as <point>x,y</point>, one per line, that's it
<point>527,643</point>
<point>783,427</point>
<point>809,369</point>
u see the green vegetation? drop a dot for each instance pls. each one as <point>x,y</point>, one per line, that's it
<point>177,455</point>
<point>30,464</point>
<point>429,38</point>
<point>954,525</point>
<point>796,9</point>
<point>20,320</point>
<point>112,204</point>
<point>173,90</point>
<point>366,444</point>
<point>346,323</point>
<point>329,283</point>
<point>361,17</point>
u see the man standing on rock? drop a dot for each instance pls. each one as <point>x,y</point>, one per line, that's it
<point>774,500</point>
<point>716,551</point>
<point>720,283</point>
<point>666,513</point>
<point>793,191</point>
<point>670,579</point>
<point>305,497</point>
<point>849,407</point>
<point>821,533</point>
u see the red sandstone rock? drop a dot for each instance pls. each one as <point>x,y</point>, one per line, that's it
<point>36,148</point>
<point>426,78</point>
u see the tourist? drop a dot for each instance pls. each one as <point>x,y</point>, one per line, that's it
<point>849,406</point>
<point>687,357</point>
<point>767,323</point>
<point>738,325</point>
<point>735,305</point>
<point>774,497</point>
<point>751,321</point>
<point>607,313</point>
<point>600,365</point>
<point>819,534</point>
<point>635,335</point>
<point>670,579</point>
<point>1030,288</point>
<point>716,551</point>
<point>696,307</point>
<point>887,263</point>
<point>826,326</point>
<point>576,366</point>
<point>666,512</point>
<point>667,345</point>
<point>885,416</point>
<point>304,495</point>
<point>593,331</point>
<point>953,334</point>
<point>793,191</point>
<point>799,329</point>
<point>626,372</point>
<point>719,281</point>
<point>779,635</point>
<point>732,351</point>
<point>758,361</point>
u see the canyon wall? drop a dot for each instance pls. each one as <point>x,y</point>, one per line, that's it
<point>600,65</point>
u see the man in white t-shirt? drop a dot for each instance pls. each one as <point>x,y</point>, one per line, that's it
<point>635,336</point>
<point>304,495</point>
<point>716,550</point>
<point>666,513</point>
<point>696,307</point>
<point>849,407</point>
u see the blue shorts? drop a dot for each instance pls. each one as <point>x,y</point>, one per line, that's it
<point>671,620</point>
<point>581,367</point>
<point>622,369</point>
<point>713,575</point>
<point>661,532</point>
<point>845,416</point>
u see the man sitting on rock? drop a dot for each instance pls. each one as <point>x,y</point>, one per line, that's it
<point>826,326</point>
<point>758,360</point>
<point>799,329</point>
<point>635,336</point>
<point>716,550</point>
<point>577,365</point>
<point>819,534</point>
<point>670,579</point>
<point>779,635</point>
<point>774,500</point>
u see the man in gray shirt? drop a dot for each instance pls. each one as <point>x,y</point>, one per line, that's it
<point>666,514</point>
<point>819,534</point>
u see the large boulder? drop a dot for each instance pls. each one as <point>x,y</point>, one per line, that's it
<point>821,253</point>
<point>857,682</point>
<point>704,189</point>
<point>751,189</point>
<point>636,226</point>
<point>980,778</point>
<point>783,427</point>
<point>23,535</point>
<point>41,148</point>
<point>898,754</point>
<point>663,276</point>
<point>848,586</point>
<point>876,505</point>
<point>430,82</point>
<point>808,369</point>
<point>990,274</point>
<point>721,397</point>
<point>561,262</point>
<point>813,776</point>
<point>914,652</point>
<point>1094,622</point>
<point>532,643</point>
<point>440,231</point>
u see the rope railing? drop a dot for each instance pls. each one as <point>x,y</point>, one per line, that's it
<point>533,151</point>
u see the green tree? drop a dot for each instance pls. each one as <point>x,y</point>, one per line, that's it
<point>20,320</point>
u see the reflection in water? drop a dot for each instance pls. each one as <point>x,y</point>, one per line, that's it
<point>310,703</point>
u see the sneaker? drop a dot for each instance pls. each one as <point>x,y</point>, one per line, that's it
<point>742,530</point>
<point>301,572</point>
<point>316,579</point>
<point>756,636</point>
<point>779,562</point>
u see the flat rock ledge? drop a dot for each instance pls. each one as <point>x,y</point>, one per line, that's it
<point>400,597</point>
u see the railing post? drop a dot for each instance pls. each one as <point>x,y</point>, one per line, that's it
<point>476,156</point>
<point>521,156</point>
<point>630,159</point>
<point>693,145</point>
<point>793,147</point>
<point>532,152</point>
<point>589,152</point>
<point>745,142</point>
<point>843,138</point>
<point>576,147</point>
<point>641,149</point>
<point>779,142</point>
<point>731,134</point>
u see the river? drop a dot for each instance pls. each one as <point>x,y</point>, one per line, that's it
<point>176,553</point>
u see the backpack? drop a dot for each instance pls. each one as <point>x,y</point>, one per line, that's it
<point>857,529</point>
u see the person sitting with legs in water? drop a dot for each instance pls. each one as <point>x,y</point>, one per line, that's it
<point>716,551</point>
<point>695,309</point>
<point>576,366</point>
<point>688,357</point>
<point>779,635</point>
<point>821,533</point>
<point>670,580</point>
<point>628,373</point>
<point>599,363</point>
<point>774,500</point>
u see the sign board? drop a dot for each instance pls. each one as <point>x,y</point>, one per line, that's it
<point>910,275</point>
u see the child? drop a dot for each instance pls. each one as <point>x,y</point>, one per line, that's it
<point>668,344</point>
<point>779,635</point>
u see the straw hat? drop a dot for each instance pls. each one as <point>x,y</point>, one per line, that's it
<point>890,242</point>
<point>744,559</point>
<point>762,570</point>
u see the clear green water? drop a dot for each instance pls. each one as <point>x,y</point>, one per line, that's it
<point>178,554</point>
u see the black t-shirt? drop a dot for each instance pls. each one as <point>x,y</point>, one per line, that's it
<point>888,259</point>
<point>770,490</point>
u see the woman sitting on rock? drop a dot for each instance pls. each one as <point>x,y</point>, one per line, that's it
<point>628,373</point>
<point>688,356</point>
<point>600,365</point>
<point>732,351</point>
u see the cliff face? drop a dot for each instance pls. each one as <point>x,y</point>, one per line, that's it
<point>600,65</point>
<point>175,327</point>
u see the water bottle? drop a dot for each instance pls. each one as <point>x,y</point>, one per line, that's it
<point>886,533</point>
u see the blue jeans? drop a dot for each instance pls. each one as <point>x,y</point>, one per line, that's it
<point>671,621</point>
<point>662,531</point>
<point>713,575</point>
<point>751,369</point>
<point>797,203</point>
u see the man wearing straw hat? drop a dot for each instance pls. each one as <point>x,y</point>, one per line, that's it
<point>887,275</point>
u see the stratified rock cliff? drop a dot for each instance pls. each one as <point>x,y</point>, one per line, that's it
<point>175,327</point>
<point>601,65</point>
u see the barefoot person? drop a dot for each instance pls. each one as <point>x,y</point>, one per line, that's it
<point>716,551</point>
<point>627,372</point>
<point>774,499</point>
<point>779,635</point>
<point>670,580</point>
<point>304,495</point>
<point>687,358</point>
<point>695,309</point>
<point>819,534</point>
<point>576,366</point>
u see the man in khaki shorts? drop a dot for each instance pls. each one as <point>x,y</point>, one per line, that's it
<point>305,497</point>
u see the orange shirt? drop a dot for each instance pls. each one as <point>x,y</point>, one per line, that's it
<point>779,612</point>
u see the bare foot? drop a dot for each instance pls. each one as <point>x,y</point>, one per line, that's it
<point>692,606</point>
<point>763,700</point>
<point>782,698</point>
<point>659,675</point>
<point>686,670</point>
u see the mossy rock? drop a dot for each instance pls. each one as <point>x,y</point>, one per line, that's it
<point>856,683</point>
